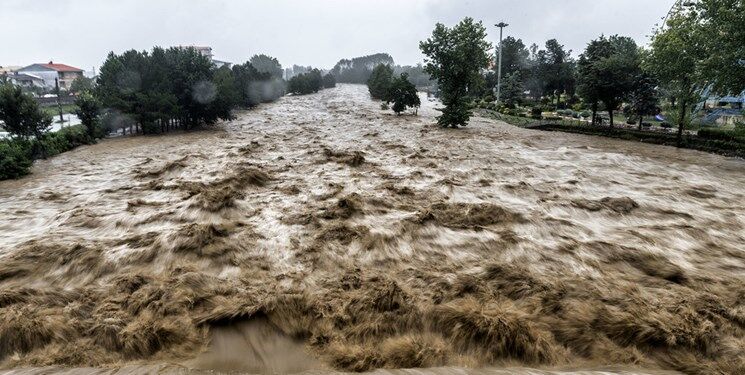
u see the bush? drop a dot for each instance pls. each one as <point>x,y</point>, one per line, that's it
<point>585,114</point>
<point>306,83</point>
<point>722,134</point>
<point>65,140</point>
<point>15,159</point>
<point>536,113</point>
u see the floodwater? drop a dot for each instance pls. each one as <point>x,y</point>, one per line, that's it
<point>320,233</point>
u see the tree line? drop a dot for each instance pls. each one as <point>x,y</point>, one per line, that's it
<point>310,82</point>
<point>698,47</point>
<point>140,92</point>
<point>178,88</point>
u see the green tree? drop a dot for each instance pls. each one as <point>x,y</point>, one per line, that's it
<point>88,109</point>
<point>306,83</point>
<point>21,114</point>
<point>402,93</point>
<point>267,64</point>
<point>607,72</point>
<point>329,81</point>
<point>81,84</point>
<point>675,59</point>
<point>455,58</point>
<point>723,21</point>
<point>358,69</point>
<point>512,90</point>
<point>514,56</point>
<point>644,98</point>
<point>380,81</point>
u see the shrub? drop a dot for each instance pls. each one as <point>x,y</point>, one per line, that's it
<point>88,111</point>
<point>65,140</point>
<point>585,114</point>
<point>536,113</point>
<point>722,134</point>
<point>15,158</point>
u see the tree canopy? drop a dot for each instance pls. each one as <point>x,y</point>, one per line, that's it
<point>676,60</point>
<point>21,113</point>
<point>267,64</point>
<point>607,71</point>
<point>306,83</point>
<point>380,81</point>
<point>455,58</point>
<point>359,69</point>
<point>402,93</point>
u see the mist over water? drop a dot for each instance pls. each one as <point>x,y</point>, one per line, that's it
<point>321,232</point>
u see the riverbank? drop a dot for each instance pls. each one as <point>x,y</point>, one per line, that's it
<point>716,142</point>
<point>375,241</point>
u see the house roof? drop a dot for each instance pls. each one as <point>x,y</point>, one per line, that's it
<point>62,67</point>
<point>52,66</point>
<point>25,77</point>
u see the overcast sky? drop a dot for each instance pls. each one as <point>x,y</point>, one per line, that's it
<point>304,32</point>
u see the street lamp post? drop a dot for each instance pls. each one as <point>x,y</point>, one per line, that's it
<point>501,27</point>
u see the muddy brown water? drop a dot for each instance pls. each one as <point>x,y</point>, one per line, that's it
<point>320,233</point>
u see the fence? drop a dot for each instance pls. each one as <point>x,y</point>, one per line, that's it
<point>49,102</point>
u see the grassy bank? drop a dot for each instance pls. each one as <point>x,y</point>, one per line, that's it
<point>54,110</point>
<point>718,141</point>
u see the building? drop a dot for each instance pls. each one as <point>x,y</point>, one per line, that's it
<point>203,50</point>
<point>25,80</point>
<point>8,69</point>
<point>207,51</point>
<point>52,72</point>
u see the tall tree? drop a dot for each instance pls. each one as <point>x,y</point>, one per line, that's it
<point>455,58</point>
<point>723,21</point>
<point>644,98</point>
<point>675,59</point>
<point>380,81</point>
<point>514,56</point>
<point>512,90</point>
<point>608,69</point>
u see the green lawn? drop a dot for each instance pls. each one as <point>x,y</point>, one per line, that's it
<point>54,111</point>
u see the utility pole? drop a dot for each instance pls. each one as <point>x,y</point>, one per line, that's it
<point>501,27</point>
<point>59,105</point>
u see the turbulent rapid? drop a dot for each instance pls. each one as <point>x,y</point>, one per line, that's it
<point>321,233</point>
